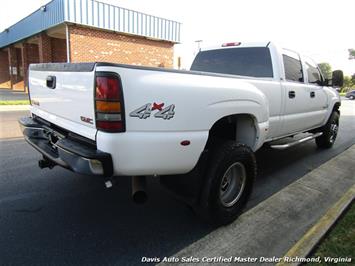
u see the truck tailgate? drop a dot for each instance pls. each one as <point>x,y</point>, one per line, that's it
<point>63,94</point>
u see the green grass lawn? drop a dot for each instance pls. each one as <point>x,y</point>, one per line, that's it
<point>17,102</point>
<point>342,93</point>
<point>340,241</point>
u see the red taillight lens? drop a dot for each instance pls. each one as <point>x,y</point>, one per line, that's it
<point>110,126</point>
<point>107,88</point>
<point>109,103</point>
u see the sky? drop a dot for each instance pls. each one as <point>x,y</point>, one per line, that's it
<point>321,29</point>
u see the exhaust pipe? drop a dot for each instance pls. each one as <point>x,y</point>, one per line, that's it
<point>139,195</point>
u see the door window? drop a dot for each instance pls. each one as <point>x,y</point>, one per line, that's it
<point>313,73</point>
<point>293,67</point>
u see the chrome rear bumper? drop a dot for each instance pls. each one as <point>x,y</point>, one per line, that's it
<point>64,151</point>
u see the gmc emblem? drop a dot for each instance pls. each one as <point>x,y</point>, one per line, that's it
<point>86,119</point>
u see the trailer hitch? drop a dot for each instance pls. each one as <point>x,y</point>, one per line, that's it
<point>46,163</point>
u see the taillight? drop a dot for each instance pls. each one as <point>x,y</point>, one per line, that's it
<point>109,102</point>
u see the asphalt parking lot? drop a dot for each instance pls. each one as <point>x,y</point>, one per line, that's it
<point>58,217</point>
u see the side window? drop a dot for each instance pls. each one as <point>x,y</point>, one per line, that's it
<point>293,68</point>
<point>313,73</point>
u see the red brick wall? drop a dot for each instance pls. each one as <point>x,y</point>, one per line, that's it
<point>4,70</point>
<point>33,53</point>
<point>45,48</point>
<point>59,50</point>
<point>90,45</point>
<point>86,45</point>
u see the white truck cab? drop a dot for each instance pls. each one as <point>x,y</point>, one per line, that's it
<point>202,125</point>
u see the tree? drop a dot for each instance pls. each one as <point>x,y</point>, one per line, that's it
<point>349,83</point>
<point>351,54</point>
<point>326,70</point>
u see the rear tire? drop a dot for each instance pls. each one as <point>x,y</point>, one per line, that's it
<point>228,182</point>
<point>330,132</point>
<point>352,97</point>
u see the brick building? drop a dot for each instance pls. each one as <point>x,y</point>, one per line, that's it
<point>84,31</point>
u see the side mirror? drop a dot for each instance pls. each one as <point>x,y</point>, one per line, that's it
<point>337,78</point>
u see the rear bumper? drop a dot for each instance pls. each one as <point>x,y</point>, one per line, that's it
<point>66,152</point>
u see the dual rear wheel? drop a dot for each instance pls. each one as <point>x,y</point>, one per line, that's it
<point>228,182</point>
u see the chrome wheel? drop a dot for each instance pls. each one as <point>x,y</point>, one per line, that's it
<point>232,184</point>
<point>333,132</point>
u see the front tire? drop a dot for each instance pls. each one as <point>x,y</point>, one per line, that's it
<point>228,184</point>
<point>352,97</point>
<point>330,132</point>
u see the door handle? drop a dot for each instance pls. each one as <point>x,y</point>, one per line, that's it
<point>51,82</point>
<point>312,94</point>
<point>291,94</point>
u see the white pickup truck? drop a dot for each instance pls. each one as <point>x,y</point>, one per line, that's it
<point>197,130</point>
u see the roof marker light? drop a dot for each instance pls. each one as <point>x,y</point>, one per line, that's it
<point>231,44</point>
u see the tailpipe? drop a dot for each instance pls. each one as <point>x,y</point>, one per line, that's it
<point>139,195</point>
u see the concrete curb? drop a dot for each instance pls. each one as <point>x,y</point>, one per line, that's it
<point>306,244</point>
<point>9,108</point>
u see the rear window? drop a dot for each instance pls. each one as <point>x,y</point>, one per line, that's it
<point>253,61</point>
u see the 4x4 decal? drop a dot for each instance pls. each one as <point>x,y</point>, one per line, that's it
<point>145,111</point>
